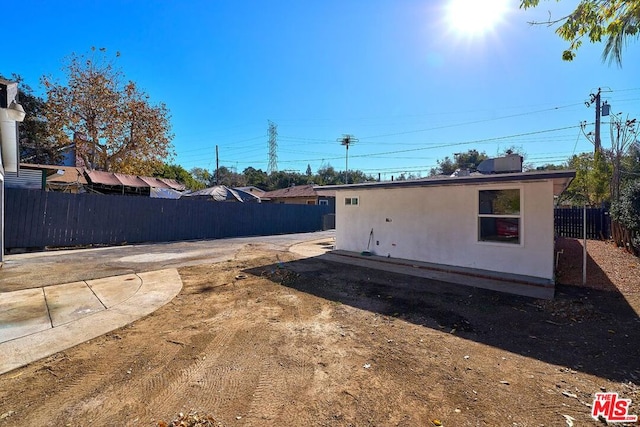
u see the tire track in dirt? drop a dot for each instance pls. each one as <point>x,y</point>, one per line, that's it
<point>170,390</point>
<point>119,391</point>
<point>282,379</point>
<point>95,380</point>
<point>81,388</point>
<point>146,383</point>
<point>236,373</point>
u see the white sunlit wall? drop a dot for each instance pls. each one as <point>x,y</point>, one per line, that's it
<point>10,114</point>
<point>439,224</point>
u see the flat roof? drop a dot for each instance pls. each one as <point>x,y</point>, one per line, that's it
<point>561,179</point>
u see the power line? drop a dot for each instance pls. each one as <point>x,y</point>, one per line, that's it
<point>472,122</point>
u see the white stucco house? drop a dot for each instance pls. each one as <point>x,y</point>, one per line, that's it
<point>499,226</point>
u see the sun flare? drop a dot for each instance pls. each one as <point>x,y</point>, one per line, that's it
<point>472,18</point>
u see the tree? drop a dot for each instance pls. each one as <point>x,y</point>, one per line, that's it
<point>552,167</point>
<point>180,174</point>
<point>357,176</point>
<point>36,146</point>
<point>626,212</point>
<point>309,172</point>
<point>230,178</point>
<point>446,166</point>
<point>203,177</point>
<point>284,179</point>
<point>405,176</point>
<point>113,125</point>
<point>591,184</point>
<point>615,20</point>
<point>623,136</point>
<point>256,177</point>
<point>327,175</point>
<point>469,160</point>
<point>631,163</point>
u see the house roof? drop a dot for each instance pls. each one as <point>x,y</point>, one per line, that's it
<point>294,191</point>
<point>221,193</point>
<point>70,175</point>
<point>162,183</point>
<point>251,189</point>
<point>104,178</point>
<point>309,190</point>
<point>120,179</point>
<point>561,180</point>
<point>130,180</point>
<point>79,175</point>
<point>48,169</point>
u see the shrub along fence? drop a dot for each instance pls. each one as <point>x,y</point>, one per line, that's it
<point>569,223</point>
<point>39,219</point>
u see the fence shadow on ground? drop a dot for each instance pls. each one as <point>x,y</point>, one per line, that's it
<point>588,330</point>
<point>570,264</point>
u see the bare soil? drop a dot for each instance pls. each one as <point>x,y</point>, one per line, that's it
<point>270,340</point>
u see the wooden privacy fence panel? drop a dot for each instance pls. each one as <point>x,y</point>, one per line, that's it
<point>569,223</point>
<point>37,219</point>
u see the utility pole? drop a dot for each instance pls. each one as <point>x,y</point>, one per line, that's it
<point>601,110</point>
<point>598,141</point>
<point>347,140</point>
<point>217,166</point>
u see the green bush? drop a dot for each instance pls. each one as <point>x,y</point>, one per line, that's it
<point>627,210</point>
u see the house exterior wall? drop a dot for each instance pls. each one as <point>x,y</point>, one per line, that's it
<point>439,224</point>
<point>295,200</point>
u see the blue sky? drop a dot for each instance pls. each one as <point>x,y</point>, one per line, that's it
<point>398,75</point>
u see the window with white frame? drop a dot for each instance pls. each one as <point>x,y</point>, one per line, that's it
<point>499,218</point>
<point>351,201</point>
<point>323,202</point>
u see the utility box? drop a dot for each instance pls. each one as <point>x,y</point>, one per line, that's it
<point>509,164</point>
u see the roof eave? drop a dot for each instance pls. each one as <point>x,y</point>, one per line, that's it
<point>564,177</point>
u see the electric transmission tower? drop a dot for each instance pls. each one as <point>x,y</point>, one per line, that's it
<point>273,147</point>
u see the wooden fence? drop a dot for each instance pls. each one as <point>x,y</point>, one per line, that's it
<point>39,219</point>
<point>569,223</point>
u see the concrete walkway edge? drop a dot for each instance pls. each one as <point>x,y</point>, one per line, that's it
<point>157,289</point>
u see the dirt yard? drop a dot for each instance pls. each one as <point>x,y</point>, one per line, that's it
<point>269,340</point>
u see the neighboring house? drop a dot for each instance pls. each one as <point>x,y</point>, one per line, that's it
<point>222,193</point>
<point>258,192</point>
<point>497,225</point>
<point>30,177</point>
<point>68,179</point>
<point>71,179</point>
<point>301,195</point>
<point>118,183</point>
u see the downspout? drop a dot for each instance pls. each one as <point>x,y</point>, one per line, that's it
<point>9,153</point>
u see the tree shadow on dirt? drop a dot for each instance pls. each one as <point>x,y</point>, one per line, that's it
<point>587,330</point>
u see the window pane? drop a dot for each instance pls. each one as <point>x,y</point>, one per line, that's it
<point>347,201</point>
<point>354,201</point>
<point>499,230</point>
<point>500,202</point>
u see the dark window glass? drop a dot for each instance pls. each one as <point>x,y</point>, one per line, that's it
<point>499,202</point>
